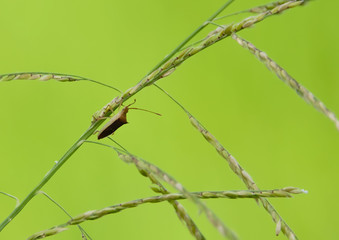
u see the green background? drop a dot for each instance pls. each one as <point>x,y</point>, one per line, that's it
<point>278,138</point>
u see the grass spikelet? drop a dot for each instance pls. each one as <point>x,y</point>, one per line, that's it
<point>278,228</point>
<point>276,193</point>
<point>244,176</point>
<point>236,168</point>
<point>258,9</point>
<point>40,76</point>
<point>286,78</point>
<point>44,76</point>
<point>172,197</point>
<point>266,7</point>
<point>47,233</point>
<point>181,56</point>
<point>140,163</point>
<point>184,217</point>
<point>178,207</point>
<point>147,169</point>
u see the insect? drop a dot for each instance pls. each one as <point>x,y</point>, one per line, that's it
<point>117,121</point>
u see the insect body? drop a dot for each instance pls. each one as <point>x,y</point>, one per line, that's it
<point>117,121</point>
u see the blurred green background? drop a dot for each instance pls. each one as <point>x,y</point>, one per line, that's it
<point>278,138</point>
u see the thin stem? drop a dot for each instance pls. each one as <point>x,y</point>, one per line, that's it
<point>11,196</point>
<point>195,32</point>
<point>216,24</point>
<point>106,85</point>
<point>174,100</point>
<point>117,143</point>
<point>64,210</point>
<point>53,201</point>
<point>231,14</point>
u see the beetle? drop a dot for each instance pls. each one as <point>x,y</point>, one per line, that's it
<point>117,121</point>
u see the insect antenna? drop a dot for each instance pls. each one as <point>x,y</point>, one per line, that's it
<point>146,111</point>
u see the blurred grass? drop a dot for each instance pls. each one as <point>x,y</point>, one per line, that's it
<point>278,138</point>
